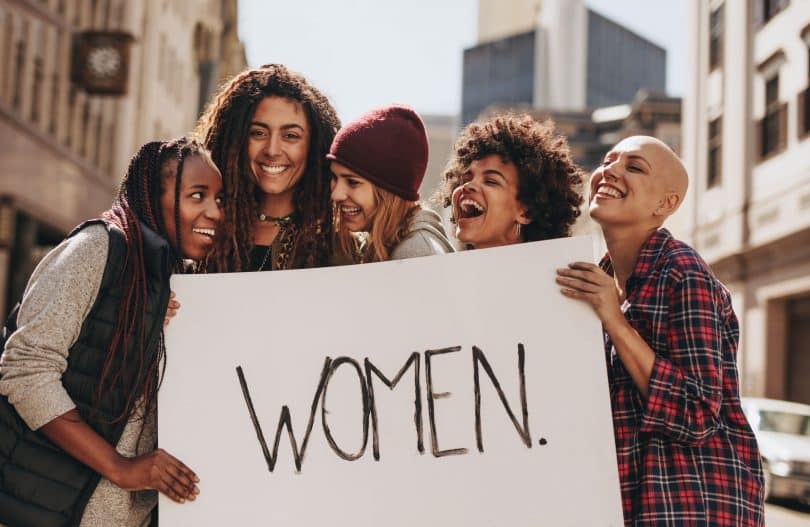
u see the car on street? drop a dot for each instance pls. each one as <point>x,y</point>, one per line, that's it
<point>783,433</point>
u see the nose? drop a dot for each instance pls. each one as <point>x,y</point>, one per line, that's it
<point>214,211</point>
<point>338,190</point>
<point>471,185</point>
<point>273,146</point>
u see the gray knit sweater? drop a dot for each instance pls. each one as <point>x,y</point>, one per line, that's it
<point>426,237</point>
<point>58,298</point>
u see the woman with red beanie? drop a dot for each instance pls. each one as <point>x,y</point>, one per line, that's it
<point>378,162</point>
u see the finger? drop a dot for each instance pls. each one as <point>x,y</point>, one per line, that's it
<point>185,477</point>
<point>165,488</point>
<point>585,276</point>
<point>579,285</point>
<point>171,294</point>
<point>174,304</point>
<point>184,468</point>
<point>579,295</point>
<point>171,312</point>
<point>585,266</point>
<point>174,485</point>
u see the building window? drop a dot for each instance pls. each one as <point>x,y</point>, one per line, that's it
<point>715,168</point>
<point>772,129</point>
<point>36,95</point>
<point>716,38</point>
<point>804,102</point>
<point>19,73</point>
<point>764,10</point>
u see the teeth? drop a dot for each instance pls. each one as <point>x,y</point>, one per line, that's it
<point>610,191</point>
<point>205,232</point>
<point>273,169</point>
<point>350,210</point>
<point>467,202</point>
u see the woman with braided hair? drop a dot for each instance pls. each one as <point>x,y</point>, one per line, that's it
<point>79,378</point>
<point>269,130</point>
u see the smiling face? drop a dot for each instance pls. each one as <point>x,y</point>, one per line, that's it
<point>200,207</point>
<point>278,144</point>
<point>639,183</point>
<point>353,195</point>
<point>486,205</point>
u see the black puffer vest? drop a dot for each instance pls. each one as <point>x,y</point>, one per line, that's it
<point>40,484</point>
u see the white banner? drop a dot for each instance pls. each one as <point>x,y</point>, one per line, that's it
<point>457,390</point>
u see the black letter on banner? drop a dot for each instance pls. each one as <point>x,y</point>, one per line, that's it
<point>364,394</point>
<point>417,402</point>
<point>430,397</point>
<point>478,357</point>
<point>284,421</point>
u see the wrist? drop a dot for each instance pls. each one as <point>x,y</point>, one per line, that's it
<point>116,469</point>
<point>615,325</point>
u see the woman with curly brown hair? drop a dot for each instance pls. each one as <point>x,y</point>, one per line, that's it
<point>510,180</point>
<point>269,130</point>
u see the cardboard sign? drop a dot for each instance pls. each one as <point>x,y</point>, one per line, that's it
<point>452,390</point>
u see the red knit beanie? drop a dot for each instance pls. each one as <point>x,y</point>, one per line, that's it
<point>388,146</point>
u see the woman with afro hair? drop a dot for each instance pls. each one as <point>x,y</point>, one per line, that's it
<point>511,179</point>
<point>269,130</point>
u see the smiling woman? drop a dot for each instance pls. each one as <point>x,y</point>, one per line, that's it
<point>79,374</point>
<point>511,179</point>
<point>269,130</point>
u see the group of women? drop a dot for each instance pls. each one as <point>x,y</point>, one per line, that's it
<point>271,182</point>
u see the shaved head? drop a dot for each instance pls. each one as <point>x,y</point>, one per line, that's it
<point>667,165</point>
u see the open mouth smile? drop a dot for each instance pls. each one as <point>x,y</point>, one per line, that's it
<point>210,233</point>
<point>607,191</point>
<point>469,208</point>
<point>273,170</point>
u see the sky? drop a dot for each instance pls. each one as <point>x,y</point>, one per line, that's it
<point>368,53</point>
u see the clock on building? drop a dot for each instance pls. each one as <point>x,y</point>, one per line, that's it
<point>101,61</point>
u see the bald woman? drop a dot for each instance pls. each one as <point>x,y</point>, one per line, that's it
<point>686,454</point>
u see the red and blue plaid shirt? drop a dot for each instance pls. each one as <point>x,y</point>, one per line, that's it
<point>686,453</point>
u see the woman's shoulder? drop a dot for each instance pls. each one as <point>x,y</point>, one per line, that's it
<point>426,236</point>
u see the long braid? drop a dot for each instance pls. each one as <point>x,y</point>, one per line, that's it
<point>138,201</point>
<point>224,129</point>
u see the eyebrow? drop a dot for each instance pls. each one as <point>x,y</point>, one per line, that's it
<point>283,127</point>
<point>635,157</point>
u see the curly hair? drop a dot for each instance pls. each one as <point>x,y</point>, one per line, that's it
<point>549,180</point>
<point>224,128</point>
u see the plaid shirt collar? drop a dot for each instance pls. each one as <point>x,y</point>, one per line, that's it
<point>648,257</point>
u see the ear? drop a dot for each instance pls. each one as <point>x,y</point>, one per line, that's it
<point>668,204</point>
<point>523,218</point>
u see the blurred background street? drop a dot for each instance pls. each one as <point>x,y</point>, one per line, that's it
<point>726,84</point>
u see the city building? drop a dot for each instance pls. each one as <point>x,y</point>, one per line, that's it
<point>746,143</point>
<point>555,54</point>
<point>442,131</point>
<point>82,84</point>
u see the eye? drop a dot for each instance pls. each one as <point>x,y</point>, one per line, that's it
<point>257,133</point>
<point>220,200</point>
<point>353,183</point>
<point>491,181</point>
<point>634,168</point>
<point>292,136</point>
<point>198,195</point>
<point>465,178</point>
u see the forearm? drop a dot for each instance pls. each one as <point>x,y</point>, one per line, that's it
<point>636,355</point>
<point>73,435</point>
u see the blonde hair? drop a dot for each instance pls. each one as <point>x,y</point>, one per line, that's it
<point>388,226</point>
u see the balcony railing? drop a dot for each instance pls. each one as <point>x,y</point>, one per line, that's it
<point>804,113</point>
<point>771,132</point>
